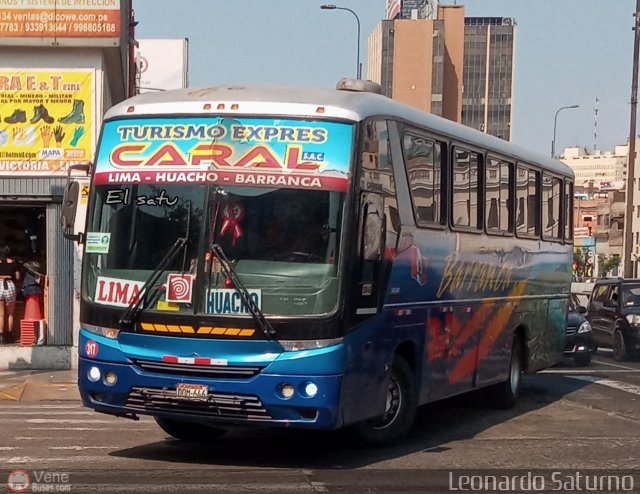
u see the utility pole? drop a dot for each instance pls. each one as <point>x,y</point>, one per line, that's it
<point>631,160</point>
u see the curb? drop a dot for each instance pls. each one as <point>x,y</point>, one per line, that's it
<point>34,391</point>
<point>12,393</point>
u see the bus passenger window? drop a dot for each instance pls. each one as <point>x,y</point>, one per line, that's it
<point>465,188</point>
<point>498,195</point>
<point>422,158</point>
<point>551,197</point>
<point>527,202</point>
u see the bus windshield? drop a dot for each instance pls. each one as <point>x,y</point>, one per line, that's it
<point>283,242</point>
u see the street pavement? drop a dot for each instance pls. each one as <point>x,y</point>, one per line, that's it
<point>33,385</point>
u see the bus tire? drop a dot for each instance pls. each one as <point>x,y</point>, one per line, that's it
<point>189,431</point>
<point>506,394</point>
<point>400,410</point>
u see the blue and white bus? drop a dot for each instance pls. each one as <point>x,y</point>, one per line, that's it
<point>312,258</point>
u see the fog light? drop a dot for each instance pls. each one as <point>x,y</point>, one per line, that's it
<point>94,374</point>
<point>110,378</point>
<point>286,391</point>
<point>310,389</point>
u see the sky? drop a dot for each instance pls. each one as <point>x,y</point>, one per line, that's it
<point>568,52</point>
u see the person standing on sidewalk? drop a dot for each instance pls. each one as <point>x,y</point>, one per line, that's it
<point>8,272</point>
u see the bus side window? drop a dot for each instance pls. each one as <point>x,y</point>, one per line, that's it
<point>498,195</point>
<point>464,184</point>
<point>527,200</point>
<point>423,162</point>
<point>377,174</point>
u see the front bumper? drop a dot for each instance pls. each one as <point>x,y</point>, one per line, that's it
<point>253,401</point>
<point>579,343</point>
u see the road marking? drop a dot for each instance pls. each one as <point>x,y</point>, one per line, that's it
<point>109,429</point>
<point>627,388</point>
<point>80,448</point>
<point>279,487</point>
<point>72,459</point>
<point>47,413</point>
<point>588,371</point>
<point>617,365</point>
<point>61,421</point>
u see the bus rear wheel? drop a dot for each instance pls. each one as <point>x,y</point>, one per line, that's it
<point>400,409</point>
<point>506,394</point>
<point>189,431</point>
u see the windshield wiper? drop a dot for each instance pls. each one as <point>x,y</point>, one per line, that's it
<point>149,289</point>
<point>230,272</point>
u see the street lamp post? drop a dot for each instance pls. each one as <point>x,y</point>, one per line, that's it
<point>555,122</point>
<point>330,6</point>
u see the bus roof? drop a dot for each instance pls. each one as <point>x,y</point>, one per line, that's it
<point>297,101</point>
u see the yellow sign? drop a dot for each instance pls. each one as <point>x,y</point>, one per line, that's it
<point>46,120</point>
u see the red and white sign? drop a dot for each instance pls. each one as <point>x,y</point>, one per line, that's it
<point>172,359</point>
<point>179,288</point>
<point>114,291</point>
<point>91,348</point>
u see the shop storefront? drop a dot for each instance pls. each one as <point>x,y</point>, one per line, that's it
<point>30,227</point>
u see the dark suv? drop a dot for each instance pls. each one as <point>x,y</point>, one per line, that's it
<point>614,314</point>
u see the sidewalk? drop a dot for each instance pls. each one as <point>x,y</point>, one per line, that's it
<point>38,385</point>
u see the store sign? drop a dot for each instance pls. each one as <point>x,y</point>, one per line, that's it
<point>59,19</point>
<point>47,120</point>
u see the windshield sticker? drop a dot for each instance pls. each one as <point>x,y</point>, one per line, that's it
<point>179,288</point>
<point>117,292</point>
<point>122,196</point>
<point>235,152</point>
<point>229,301</point>
<point>232,215</point>
<point>97,243</point>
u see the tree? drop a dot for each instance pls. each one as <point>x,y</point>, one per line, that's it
<point>608,263</point>
<point>578,262</point>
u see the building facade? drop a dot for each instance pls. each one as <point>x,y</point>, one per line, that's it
<point>56,81</point>
<point>455,67</point>
<point>597,169</point>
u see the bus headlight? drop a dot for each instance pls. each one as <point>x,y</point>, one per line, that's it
<point>110,378</point>
<point>310,389</point>
<point>585,327</point>
<point>110,333</point>
<point>286,391</point>
<point>93,374</point>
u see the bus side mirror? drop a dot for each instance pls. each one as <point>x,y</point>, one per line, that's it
<point>70,201</point>
<point>372,208</point>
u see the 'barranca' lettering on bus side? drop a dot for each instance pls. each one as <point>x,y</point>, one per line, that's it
<point>478,276</point>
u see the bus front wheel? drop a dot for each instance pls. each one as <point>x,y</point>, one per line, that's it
<point>400,409</point>
<point>189,431</point>
<point>506,394</point>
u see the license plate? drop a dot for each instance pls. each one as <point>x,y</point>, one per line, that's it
<point>192,391</point>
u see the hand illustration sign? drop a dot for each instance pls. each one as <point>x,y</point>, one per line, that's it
<point>46,134</point>
<point>77,134</point>
<point>59,134</point>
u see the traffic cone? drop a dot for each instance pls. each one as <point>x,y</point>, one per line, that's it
<point>28,332</point>
<point>32,311</point>
<point>32,325</point>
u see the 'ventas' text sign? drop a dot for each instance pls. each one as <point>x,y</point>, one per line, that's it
<point>60,19</point>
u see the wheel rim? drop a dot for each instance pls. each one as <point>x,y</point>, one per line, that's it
<point>514,377</point>
<point>619,344</point>
<point>393,405</point>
